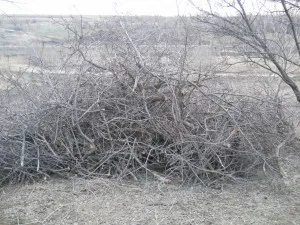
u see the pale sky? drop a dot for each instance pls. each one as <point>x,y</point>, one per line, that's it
<point>97,7</point>
<point>111,7</point>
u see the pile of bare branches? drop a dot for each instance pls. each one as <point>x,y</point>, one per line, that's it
<point>128,117</point>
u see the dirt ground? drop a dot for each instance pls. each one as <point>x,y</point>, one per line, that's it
<point>102,201</point>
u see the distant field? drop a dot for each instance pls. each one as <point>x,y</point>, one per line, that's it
<point>25,39</point>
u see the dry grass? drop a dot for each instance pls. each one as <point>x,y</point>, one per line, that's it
<point>102,201</point>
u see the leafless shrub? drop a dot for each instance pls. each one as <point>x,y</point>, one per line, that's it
<point>130,114</point>
<point>266,36</point>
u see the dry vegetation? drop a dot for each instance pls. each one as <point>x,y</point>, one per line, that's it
<point>143,108</point>
<point>102,201</point>
<point>136,105</point>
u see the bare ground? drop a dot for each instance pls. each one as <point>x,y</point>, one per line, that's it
<point>102,201</point>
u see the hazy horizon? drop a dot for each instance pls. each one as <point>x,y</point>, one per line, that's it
<point>97,8</point>
<point>117,7</point>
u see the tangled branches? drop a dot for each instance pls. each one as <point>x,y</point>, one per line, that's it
<point>129,117</point>
<point>106,128</point>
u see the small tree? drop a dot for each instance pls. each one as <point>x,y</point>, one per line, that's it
<point>266,37</point>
